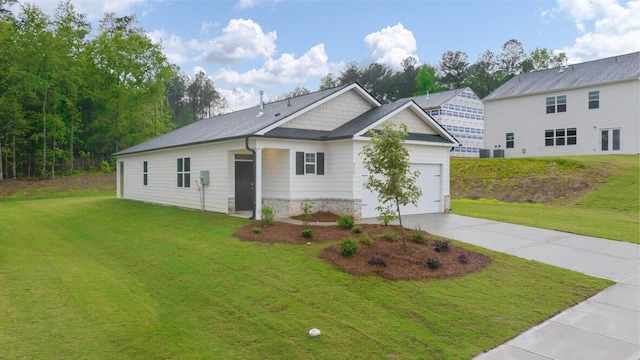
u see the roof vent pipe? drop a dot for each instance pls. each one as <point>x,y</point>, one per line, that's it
<point>261,99</point>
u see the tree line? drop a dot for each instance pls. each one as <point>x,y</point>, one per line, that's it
<point>70,97</point>
<point>452,72</point>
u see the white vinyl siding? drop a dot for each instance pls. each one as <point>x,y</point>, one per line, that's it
<point>275,174</point>
<point>162,169</point>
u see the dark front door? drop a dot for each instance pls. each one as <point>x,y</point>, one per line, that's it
<point>244,185</point>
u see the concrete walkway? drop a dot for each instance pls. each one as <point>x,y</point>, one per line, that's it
<point>605,326</point>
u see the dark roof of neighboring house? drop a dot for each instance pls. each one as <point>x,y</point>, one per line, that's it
<point>435,99</point>
<point>232,125</point>
<point>612,69</point>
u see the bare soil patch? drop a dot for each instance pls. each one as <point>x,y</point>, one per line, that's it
<point>400,264</point>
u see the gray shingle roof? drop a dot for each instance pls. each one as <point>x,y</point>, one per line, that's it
<point>232,125</point>
<point>617,68</point>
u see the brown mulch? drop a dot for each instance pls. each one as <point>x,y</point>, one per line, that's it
<point>400,264</point>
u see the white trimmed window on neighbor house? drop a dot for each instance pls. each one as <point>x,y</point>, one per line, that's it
<point>594,100</point>
<point>510,141</point>
<point>556,104</point>
<point>560,137</point>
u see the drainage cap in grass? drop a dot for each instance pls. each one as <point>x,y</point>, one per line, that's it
<point>314,332</point>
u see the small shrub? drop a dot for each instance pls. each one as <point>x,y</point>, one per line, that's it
<point>386,215</point>
<point>348,247</point>
<point>308,233</point>
<point>442,246</point>
<point>346,222</point>
<point>366,240</point>
<point>306,213</point>
<point>267,215</point>
<point>256,230</point>
<point>391,236</point>
<point>377,261</point>
<point>418,235</point>
<point>433,264</point>
<point>463,259</point>
<point>356,229</point>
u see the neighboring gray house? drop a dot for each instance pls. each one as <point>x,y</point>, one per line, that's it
<point>461,113</point>
<point>282,154</point>
<point>583,109</point>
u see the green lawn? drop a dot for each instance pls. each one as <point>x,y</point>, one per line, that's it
<point>611,211</point>
<point>93,277</point>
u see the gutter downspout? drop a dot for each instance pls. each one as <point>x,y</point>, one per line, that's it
<point>253,167</point>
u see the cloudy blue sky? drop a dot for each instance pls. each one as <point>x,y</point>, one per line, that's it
<point>251,45</point>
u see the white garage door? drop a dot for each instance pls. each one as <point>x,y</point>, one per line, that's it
<point>430,182</point>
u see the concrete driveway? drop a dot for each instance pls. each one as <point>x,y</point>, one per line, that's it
<point>606,326</point>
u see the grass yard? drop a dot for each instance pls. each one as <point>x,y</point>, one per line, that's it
<point>99,278</point>
<point>611,211</point>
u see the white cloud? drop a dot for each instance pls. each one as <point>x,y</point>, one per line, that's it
<point>286,69</point>
<point>242,40</point>
<point>608,28</point>
<point>238,98</point>
<point>391,45</point>
<point>245,4</point>
<point>172,46</point>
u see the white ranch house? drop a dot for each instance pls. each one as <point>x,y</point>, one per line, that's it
<point>589,108</point>
<point>283,154</point>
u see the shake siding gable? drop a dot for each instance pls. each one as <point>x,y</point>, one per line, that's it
<point>332,114</point>
<point>414,123</point>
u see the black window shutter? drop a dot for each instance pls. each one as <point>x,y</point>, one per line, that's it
<point>299,163</point>
<point>320,159</point>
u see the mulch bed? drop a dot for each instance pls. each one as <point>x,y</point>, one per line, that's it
<point>400,264</point>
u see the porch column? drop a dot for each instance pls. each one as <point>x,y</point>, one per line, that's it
<point>258,185</point>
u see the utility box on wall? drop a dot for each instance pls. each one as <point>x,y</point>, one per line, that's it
<point>204,177</point>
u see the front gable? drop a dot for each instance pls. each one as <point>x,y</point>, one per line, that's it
<point>414,122</point>
<point>420,126</point>
<point>329,113</point>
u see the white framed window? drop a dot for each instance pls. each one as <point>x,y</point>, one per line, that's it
<point>310,163</point>
<point>145,177</point>
<point>510,140</point>
<point>594,100</point>
<point>184,172</point>
<point>560,137</point>
<point>556,104</point>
